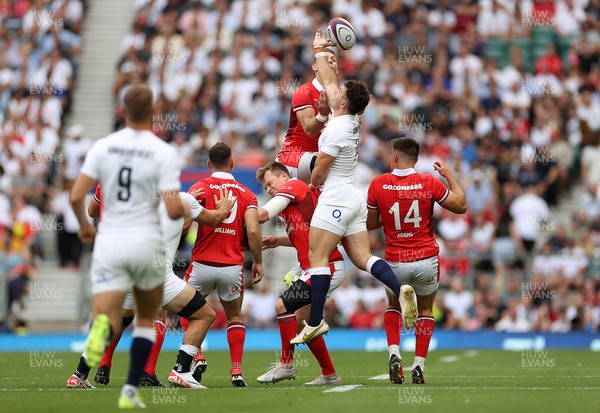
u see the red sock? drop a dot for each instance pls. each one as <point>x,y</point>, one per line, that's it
<point>319,350</point>
<point>423,331</point>
<point>184,323</point>
<point>159,337</point>
<point>287,330</point>
<point>236,335</point>
<point>392,320</point>
<point>108,354</point>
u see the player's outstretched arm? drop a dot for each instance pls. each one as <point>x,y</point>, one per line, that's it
<point>272,208</point>
<point>321,170</point>
<point>455,201</point>
<point>254,242</point>
<point>327,75</point>
<point>82,186</point>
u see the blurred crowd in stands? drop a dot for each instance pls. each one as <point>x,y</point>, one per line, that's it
<point>41,43</point>
<point>506,92</point>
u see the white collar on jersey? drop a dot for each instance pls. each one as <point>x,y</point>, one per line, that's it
<point>317,85</point>
<point>404,172</point>
<point>223,175</point>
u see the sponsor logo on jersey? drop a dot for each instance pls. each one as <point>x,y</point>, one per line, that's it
<point>236,186</point>
<point>403,187</point>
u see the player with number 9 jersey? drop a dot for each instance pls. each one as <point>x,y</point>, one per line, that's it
<point>133,166</point>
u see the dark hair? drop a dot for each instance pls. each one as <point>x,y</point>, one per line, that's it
<point>138,103</point>
<point>407,148</point>
<point>277,168</point>
<point>219,155</point>
<point>357,95</point>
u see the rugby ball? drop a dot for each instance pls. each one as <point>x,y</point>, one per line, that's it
<point>341,33</point>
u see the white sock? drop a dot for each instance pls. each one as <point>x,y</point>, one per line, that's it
<point>394,350</point>
<point>419,361</point>
<point>189,349</point>
<point>129,390</point>
<point>144,332</point>
<point>370,263</point>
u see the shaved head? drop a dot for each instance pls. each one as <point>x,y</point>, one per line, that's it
<point>138,103</point>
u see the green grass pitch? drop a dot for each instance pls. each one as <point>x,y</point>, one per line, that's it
<point>457,381</point>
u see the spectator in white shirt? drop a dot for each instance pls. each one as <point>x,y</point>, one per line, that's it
<point>442,18</point>
<point>459,302</point>
<point>588,109</point>
<point>511,321</point>
<point>569,17</point>
<point>494,22</point>
<point>529,213</point>
<point>368,21</point>
<point>464,67</point>
<point>74,149</point>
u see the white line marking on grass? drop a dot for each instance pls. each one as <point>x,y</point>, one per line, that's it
<point>471,353</point>
<point>380,377</point>
<point>342,389</point>
<point>449,359</point>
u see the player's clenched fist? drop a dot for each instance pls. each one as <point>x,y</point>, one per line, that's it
<point>87,233</point>
<point>443,169</point>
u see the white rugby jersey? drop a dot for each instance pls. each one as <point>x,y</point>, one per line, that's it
<point>340,138</point>
<point>133,167</point>
<point>171,229</point>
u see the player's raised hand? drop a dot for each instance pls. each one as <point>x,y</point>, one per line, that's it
<point>197,193</point>
<point>322,105</point>
<point>443,169</point>
<point>87,233</point>
<point>257,273</point>
<point>226,201</point>
<point>269,241</point>
<point>321,39</point>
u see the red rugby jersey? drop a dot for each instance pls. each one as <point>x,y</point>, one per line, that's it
<point>223,244</point>
<point>405,200</point>
<point>296,140</point>
<point>296,218</point>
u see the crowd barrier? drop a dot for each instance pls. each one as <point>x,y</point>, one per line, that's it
<point>337,339</point>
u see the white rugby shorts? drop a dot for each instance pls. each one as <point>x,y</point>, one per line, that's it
<point>121,263</point>
<point>228,281</point>
<point>173,287</point>
<point>342,211</point>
